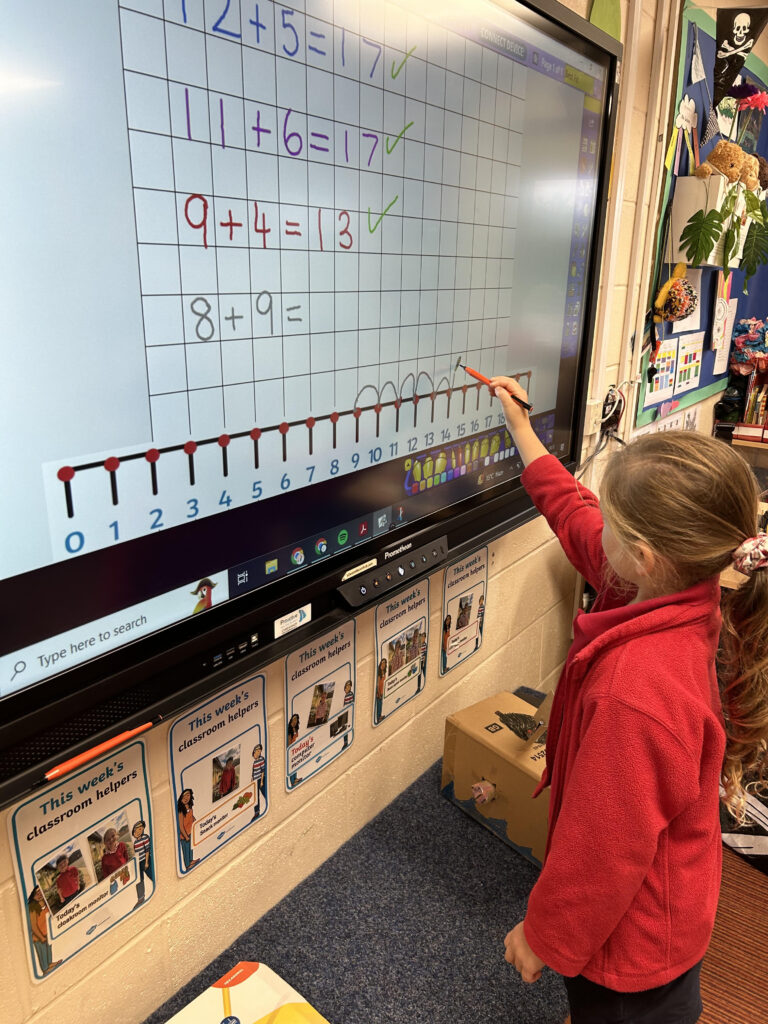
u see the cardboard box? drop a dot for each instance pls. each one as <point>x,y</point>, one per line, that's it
<point>252,994</point>
<point>481,746</point>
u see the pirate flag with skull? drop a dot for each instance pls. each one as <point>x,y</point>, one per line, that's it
<point>737,32</point>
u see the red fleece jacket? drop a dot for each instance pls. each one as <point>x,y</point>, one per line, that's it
<point>629,888</point>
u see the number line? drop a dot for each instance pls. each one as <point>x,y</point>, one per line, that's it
<point>190,447</point>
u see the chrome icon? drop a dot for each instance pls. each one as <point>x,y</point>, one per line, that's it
<point>297,556</point>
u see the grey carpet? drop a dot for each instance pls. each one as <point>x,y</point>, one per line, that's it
<point>413,935</point>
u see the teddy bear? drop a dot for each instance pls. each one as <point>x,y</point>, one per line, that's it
<point>763,171</point>
<point>726,158</point>
<point>750,172</point>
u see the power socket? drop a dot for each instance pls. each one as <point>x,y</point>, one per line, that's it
<point>593,418</point>
<point>613,407</point>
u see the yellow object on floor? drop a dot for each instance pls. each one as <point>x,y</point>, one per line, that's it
<point>250,993</point>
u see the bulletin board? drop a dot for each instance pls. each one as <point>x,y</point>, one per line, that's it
<point>673,389</point>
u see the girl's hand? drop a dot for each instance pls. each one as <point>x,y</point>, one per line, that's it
<point>515,415</point>
<point>518,423</point>
<point>521,956</point>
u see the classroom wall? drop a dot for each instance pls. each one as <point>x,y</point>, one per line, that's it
<point>189,921</point>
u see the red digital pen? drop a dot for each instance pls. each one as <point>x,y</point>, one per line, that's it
<point>90,755</point>
<point>479,376</point>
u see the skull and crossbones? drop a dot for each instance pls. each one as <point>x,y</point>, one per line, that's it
<point>741,44</point>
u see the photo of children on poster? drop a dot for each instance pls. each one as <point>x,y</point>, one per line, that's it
<point>83,856</point>
<point>218,766</point>
<point>464,594</point>
<point>319,703</point>
<point>401,645</point>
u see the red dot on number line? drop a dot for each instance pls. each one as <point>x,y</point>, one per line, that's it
<point>377,409</point>
<point>224,440</point>
<point>415,399</point>
<point>255,434</point>
<point>152,455</point>
<point>334,417</point>
<point>65,474</point>
<point>111,464</point>
<point>284,428</point>
<point>356,412</point>
<point>311,422</point>
<point>190,447</point>
<point>398,403</point>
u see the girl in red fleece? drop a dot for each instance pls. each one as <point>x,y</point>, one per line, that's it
<point>636,746</point>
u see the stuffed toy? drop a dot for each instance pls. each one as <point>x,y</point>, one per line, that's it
<point>676,300</point>
<point>677,297</point>
<point>750,172</point>
<point>763,171</point>
<point>727,158</point>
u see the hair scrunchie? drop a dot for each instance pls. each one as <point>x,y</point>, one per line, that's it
<point>751,555</point>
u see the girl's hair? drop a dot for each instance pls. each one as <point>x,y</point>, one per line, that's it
<point>181,807</point>
<point>693,500</point>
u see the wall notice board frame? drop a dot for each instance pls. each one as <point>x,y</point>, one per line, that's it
<point>694,22</point>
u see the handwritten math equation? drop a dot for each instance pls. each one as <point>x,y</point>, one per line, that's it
<point>276,151</point>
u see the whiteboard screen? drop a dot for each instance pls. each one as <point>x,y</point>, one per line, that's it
<point>249,244</point>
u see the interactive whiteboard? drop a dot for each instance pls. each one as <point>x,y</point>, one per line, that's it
<point>246,246</point>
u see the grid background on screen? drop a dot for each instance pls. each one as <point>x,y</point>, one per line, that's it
<point>325,201</point>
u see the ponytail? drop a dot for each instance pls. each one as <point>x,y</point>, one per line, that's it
<point>743,673</point>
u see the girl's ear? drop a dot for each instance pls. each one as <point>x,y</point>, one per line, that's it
<point>645,560</point>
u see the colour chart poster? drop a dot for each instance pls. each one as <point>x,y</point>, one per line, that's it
<point>83,856</point>
<point>464,593</point>
<point>689,351</point>
<point>402,636</point>
<point>319,703</point>
<point>218,766</point>
<point>663,384</point>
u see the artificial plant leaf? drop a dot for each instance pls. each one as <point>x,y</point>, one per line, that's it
<point>700,235</point>
<point>755,209</point>
<point>728,203</point>
<point>755,252</point>
<point>730,245</point>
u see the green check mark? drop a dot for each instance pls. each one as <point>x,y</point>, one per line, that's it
<point>397,69</point>
<point>380,218</point>
<point>397,138</point>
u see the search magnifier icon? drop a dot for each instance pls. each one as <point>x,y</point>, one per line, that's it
<point>18,668</point>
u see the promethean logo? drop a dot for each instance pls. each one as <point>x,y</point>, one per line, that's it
<point>398,551</point>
